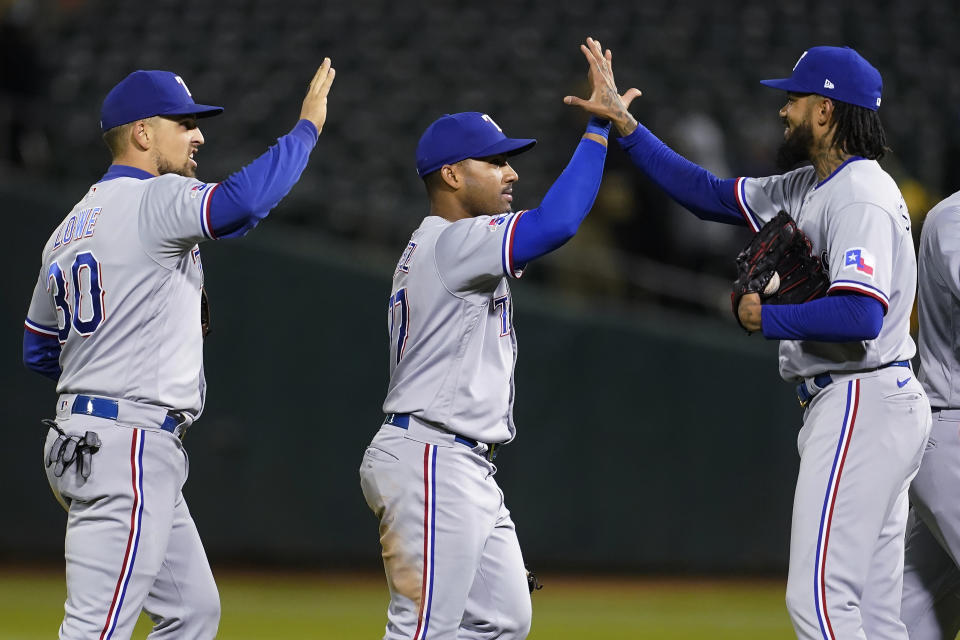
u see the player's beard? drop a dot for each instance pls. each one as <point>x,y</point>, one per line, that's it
<point>164,166</point>
<point>795,149</point>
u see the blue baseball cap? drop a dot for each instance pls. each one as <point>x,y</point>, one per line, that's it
<point>835,72</point>
<point>458,136</point>
<point>144,94</point>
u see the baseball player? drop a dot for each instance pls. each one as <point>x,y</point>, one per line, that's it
<point>931,578</point>
<point>116,320</point>
<point>866,418</point>
<point>450,550</point>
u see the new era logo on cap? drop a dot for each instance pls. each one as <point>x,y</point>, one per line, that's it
<point>144,94</point>
<point>842,72</point>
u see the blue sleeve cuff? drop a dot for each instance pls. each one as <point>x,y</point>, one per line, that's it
<point>838,318</point>
<point>41,353</point>
<point>599,126</point>
<point>634,137</point>
<point>306,132</point>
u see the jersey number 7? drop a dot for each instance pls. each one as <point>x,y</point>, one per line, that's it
<point>401,325</point>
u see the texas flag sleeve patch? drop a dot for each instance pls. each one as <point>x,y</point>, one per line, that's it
<point>860,260</point>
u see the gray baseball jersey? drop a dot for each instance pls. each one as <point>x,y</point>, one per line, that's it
<point>864,431</point>
<point>120,286</point>
<point>858,224</point>
<point>931,583</point>
<point>450,548</point>
<point>452,343</point>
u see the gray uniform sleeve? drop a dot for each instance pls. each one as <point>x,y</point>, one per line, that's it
<point>943,257</point>
<point>861,244</point>
<point>174,216</point>
<point>939,303</point>
<point>760,199</point>
<point>475,254</point>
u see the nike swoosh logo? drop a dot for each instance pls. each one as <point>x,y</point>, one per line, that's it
<point>900,382</point>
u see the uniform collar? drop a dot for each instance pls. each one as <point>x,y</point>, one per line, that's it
<point>125,171</point>
<point>837,170</point>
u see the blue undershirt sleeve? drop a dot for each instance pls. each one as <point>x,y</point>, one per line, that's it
<point>42,354</point>
<point>241,201</point>
<point>541,230</point>
<point>695,188</point>
<point>837,318</point>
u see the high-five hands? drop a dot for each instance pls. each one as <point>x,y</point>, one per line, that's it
<point>605,101</point>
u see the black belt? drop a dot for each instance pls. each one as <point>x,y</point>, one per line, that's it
<point>804,394</point>
<point>110,409</point>
<point>402,420</point>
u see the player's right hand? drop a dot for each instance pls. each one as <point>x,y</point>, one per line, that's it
<point>749,312</point>
<point>604,100</point>
<point>314,106</point>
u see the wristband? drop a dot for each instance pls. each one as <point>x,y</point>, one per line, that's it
<point>599,126</point>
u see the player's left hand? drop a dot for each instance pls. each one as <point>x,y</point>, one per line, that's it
<point>314,106</point>
<point>605,101</point>
<point>749,311</point>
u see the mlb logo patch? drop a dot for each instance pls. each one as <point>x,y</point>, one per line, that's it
<point>860,260</point>
<point>496,222</point>
<point>197,190</point>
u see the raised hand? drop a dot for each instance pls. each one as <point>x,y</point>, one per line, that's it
<point>314,106</point>
<point>605,101</point>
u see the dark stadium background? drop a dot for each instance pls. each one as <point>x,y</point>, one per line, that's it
<point>654,436</point>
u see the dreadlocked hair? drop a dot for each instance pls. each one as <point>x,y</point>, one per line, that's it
<point>858,131</point>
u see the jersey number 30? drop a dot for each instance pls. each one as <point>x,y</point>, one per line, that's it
<point>83,310</point>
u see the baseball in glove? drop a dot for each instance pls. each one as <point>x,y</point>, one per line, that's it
<point>777,264</point>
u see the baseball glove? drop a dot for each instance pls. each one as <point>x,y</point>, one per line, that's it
<point>777,263</point>
<point>533,583</point>
<point>204,313</point>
